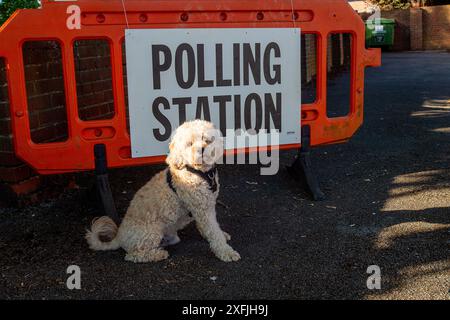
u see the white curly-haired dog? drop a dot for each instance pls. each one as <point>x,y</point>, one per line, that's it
<point>184,192</point>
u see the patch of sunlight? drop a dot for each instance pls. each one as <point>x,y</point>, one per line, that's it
<point>417,177</point>
<point>419,191</point>
<point>437,103</point>
<point>428,281</point>
<point>388,235</point>
<point>442,130</point>
<point>434,108</point>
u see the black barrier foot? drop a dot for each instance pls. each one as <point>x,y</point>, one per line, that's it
<point>105,197</point>
<point>302,169</point>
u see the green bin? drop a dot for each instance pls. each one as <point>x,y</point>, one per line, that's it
<point>380,32</point>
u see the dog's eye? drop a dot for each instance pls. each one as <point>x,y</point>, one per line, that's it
<point>189,144</point>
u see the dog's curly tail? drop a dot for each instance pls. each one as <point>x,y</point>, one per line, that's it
<point>103,235</point>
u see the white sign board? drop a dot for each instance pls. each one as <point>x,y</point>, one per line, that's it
<point>245,79</point>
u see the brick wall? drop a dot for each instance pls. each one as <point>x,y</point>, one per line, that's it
<point>47,105</point>
<point>310,53</point>
<point>45,91</point>
<point>416,28</point>
<point>402,40</point>
<point>94,79</point>
<point>329,53</point>
<point>436,27</point>
<point>424,28</point>
<point>125,84</point>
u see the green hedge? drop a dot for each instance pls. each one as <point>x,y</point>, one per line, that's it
<point>392,4</point>
<point>405,4</point>
<point>7,7</point>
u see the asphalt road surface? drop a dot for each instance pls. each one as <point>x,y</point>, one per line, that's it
<point>388,202</point>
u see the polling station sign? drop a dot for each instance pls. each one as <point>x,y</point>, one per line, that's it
<point>247,80</point>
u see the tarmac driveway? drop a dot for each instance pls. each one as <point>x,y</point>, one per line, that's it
<point>388,204</point>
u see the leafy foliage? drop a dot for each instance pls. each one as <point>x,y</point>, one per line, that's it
<point>405,4</point>
<point>7,7</point>
<point>392,4</point>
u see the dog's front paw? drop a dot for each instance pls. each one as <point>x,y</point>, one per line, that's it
<point>227,254</point>
<point>227,236</point>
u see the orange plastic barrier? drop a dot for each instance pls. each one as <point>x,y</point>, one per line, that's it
<point>105,19</point>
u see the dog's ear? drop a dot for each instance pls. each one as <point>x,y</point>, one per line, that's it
<point>175,158</point>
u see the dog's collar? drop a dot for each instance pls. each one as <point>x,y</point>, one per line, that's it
<point>208,176</point>
<point>170,181</point>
